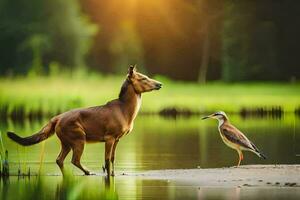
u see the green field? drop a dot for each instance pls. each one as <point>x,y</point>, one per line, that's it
<point>49,95</point>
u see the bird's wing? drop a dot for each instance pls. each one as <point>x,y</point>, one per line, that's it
<point>235,136</point>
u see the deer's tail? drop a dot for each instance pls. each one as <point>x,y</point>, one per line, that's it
<point>47,131</point>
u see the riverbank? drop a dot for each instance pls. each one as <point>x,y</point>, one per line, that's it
<point>243,176</point>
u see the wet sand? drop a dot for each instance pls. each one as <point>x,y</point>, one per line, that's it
<point>243,176</point>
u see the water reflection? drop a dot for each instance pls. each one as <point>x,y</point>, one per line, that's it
<point>100,187</point>
<point>67,187</point>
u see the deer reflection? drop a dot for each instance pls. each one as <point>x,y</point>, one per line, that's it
<point>80,187</point>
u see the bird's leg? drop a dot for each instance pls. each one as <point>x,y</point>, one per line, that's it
<point>241,157</point>
<point>239,162</point>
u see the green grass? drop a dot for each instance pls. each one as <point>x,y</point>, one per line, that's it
<point>51,95</point>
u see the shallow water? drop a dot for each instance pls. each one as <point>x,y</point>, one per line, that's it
<point>160,143</point>
<point>97,187</point>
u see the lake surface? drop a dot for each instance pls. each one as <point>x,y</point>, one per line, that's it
<point>156,143</point>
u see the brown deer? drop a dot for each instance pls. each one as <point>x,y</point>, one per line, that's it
<point>106,123</point>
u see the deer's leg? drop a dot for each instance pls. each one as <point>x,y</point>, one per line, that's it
<point>108,151</point>
<point>78,148</point>
<point>113,156</point>
<point>65,149</point>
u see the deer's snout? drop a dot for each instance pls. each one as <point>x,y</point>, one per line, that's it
<point>158,86</point>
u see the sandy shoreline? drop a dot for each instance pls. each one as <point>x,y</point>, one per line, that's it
<point>246,175</point>
<point>243,176</point>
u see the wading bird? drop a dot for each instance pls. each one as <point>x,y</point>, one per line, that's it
<point>106,123</point>
<point>233,137</point>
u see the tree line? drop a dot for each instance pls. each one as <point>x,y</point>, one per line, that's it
<point>197,40</point>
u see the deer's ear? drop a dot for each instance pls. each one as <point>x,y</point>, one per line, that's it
<point>131,70</point>
<point>134,67</point>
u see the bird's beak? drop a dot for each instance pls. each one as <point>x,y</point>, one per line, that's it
<point>206,117</point>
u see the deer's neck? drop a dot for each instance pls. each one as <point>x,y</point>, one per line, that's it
<point>130,101</point>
